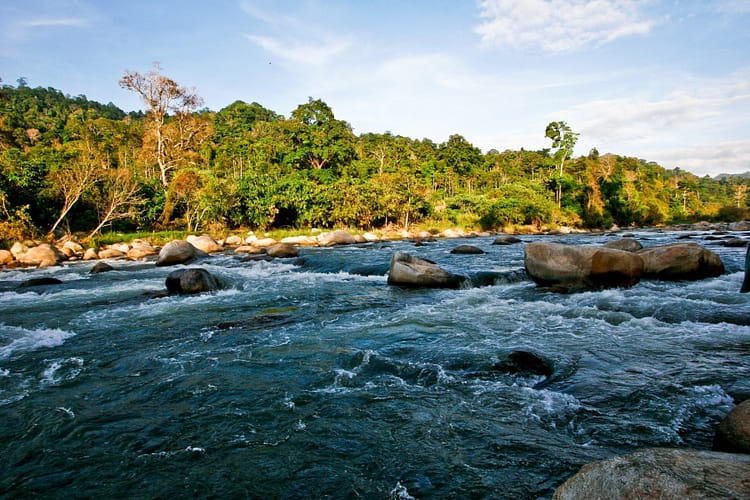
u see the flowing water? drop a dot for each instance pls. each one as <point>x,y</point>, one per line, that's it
<point>314,378</point>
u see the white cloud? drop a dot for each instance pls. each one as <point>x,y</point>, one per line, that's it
<point>54,22</point>
<point>726,157</point>
<point>558,25</point>
<point>309,52</point>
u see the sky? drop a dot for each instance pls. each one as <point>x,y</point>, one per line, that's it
<point>663,80</point>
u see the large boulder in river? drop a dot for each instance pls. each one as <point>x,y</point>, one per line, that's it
<point>572,267</point>
<point>409,271</point>
<point>192,280</point>
<point>733,433</point>
<point>467,250</point>
<point>661,473</point>
<point>680,261</point>
<point>205,243</point>
<point>43,255</point>
<point>178,252</point>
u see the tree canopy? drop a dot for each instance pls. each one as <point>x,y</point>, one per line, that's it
<point>73,164</point>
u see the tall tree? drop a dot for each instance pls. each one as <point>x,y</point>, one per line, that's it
<point>563,140</point>
<point>162,95</point>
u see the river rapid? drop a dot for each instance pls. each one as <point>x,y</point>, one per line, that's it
<point>312,378</point>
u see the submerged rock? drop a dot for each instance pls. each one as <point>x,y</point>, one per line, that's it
<point>193,280</point>
<point>733,433</point>
<point>680,261</point>
<point>46,281</point>
<point>467,250</point>
<point>525,363</point>
<point>661,473</point>
<point>408,271</point>
<point>506,240</point>
<point>567,267</point>
<point>101,267</point>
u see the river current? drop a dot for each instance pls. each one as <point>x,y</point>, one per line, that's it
<point>312,378</point>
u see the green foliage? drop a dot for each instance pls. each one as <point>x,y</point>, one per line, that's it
<point>247,167</point>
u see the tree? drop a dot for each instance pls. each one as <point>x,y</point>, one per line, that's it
<point>115,198</point>
<point>563,140</point>
<point>162,95</point>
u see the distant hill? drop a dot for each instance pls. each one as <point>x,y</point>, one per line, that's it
<point>725,177</point>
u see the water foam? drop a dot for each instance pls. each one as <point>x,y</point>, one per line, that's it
<point>25,340</point>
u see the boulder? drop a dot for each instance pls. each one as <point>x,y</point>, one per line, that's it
<point>71,248</point>
<point>506,240</point>
<point>680,261</point>
<point>111,253</point>
<point>18,248</point>
<point>43,255</point>
<point>308,241</point>
<point>467,250</point>
<point>5,257</point>
<point>452,233</point>
<point>282,251</point>
<point>101,267</point>
<point>248,249</point>
<point>739,226</point>
<point>140,250</point>
<point>45,281</point>
<point>263,242</point>
<point>336,238</point>
<point>746,281</point>
<point>205,243</point>
<point>733,433</point>
<point>570,267</point>
<point>661,473</point>
<point>178,252</point>
<point>371,237</point>
<point>233,240</point>
<point>626,244</point>
<point>90,254</point>
<point>408,271</point>
<point>735,243</point>
<point>192,280</point>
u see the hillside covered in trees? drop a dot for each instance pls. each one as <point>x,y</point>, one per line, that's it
<point>68,164</point>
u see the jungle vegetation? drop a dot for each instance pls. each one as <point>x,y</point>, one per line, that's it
<point>71,165</point>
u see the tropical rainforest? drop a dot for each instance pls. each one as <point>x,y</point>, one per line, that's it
<point>71,165</point>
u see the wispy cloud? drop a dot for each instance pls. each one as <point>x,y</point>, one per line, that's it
<point>309,52</point>
<point>54,22</point>
<point>559,25</point>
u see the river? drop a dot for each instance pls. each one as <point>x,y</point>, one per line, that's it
<point>312,378</point>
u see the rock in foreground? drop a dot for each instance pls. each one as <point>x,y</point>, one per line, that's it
<point>409,271</point>
<point>681,261</point>
<point>188,281</point>
<point>733,433</point>
<point>569,267</point>
<point>662,473</point>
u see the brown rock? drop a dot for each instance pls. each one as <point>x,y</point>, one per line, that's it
<point>282,251</point>
<point>681,261</point>
<point>205,243</point>
<point>5,257</point>
<point>178,252</point>
<point>110,253</point>
<point>733,433</point>
<point>662,474</point>
<point>408,271</point>
<point>43,255</point>
<point>626,244</point>
<point>336,238</point>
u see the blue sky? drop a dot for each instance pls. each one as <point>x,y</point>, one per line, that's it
<point>663,80</point>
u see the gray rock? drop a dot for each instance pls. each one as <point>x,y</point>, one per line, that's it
<point>34,282</point>
<point>467,250</point>
<point>680,261</point>
<point>178,252</point>
<point>626,244</point>
<point>570,267</point>
<point>733,433</point>
<point>408,271</point>
<point>506,240</point>
<point>656,473</point>
<point>101,267</point>
<point>192,280</point>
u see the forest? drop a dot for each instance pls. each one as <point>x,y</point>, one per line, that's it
<point>69,165</point>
